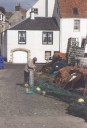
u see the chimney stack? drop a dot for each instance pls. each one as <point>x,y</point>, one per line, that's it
<point>32,15</point>
<point>17,7</point>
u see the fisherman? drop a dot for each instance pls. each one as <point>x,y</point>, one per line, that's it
<point>30,66</point>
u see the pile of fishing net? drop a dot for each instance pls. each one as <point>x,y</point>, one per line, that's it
<point>78,108</point>
<point>77,105</point>
<point>71,76</point>
<point>74,97</point>
<point>49,89</point>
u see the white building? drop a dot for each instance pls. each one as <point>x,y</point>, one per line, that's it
<point>3,24</point>
<point>73,22</point>
<point>47,29</point>
<point>34,37</point>
<point>43,8</point>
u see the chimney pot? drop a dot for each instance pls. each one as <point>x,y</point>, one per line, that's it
<point>17,7</point>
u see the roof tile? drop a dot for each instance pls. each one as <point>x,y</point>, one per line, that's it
<point>66,8</point>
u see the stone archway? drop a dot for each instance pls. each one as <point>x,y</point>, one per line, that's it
<point>19,49</point>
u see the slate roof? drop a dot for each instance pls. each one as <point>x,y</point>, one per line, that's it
<point>66,8</point>
<point>39,23</point>
<point>23,11</point>
<point>8,14</point>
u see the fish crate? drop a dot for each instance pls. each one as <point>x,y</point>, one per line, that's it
<point>83,62</point>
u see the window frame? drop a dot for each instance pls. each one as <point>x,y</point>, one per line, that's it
<point>21,42</point>
<point>47,38</point>
<point>35,10</point>
<point>75,11</point>
<point>46,56</point>
<point>76,25</point>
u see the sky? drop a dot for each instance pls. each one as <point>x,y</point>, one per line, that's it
<point>9,5</point>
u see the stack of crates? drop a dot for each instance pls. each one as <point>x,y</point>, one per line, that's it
<point>83,62</point>
<point>71,51</point>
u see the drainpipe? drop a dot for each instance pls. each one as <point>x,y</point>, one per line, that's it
<point>59,41</point>
<point>59,35</point>
<point>46,8</point>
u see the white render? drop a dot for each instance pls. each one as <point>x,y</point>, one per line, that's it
<point>67,31</point>
<point>33,44</point>
<point>34,41</point>
<point>43,9</point>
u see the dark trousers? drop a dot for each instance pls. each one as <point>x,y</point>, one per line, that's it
<point>26,77</point>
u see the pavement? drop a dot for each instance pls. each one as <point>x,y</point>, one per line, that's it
<point>21,110</point>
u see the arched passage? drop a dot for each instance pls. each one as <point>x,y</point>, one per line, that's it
<point>19,55</point>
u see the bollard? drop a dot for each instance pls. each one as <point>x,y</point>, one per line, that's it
<point>31,79</point>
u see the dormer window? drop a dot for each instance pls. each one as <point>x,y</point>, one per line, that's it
<point>75,11</point>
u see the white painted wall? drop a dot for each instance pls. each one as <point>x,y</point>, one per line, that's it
<point>67,31</point>
<point>51,7</point>
<point>33,43</point>
<point>41,5</point>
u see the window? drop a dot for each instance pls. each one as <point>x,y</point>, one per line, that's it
<point>47,38</point>
<point>47,54</point>
<point>75,11</point>
<point>56,52</point>
<point>77,25</point>
<point>35,10</point>
<point>22,37</point>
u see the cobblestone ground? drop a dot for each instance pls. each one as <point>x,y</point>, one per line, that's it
<point>20,110</point>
